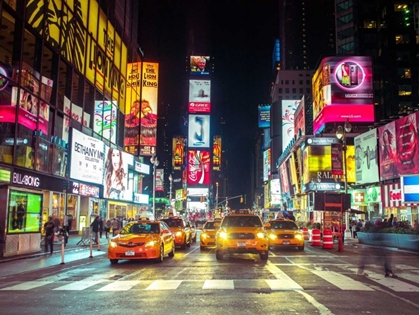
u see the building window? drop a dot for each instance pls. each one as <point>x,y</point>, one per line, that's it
<point>369,24</point>
<point>293,82</point>
<point>287,82</point>
<point>404,90</point>
<point>294,90</point>
<point>287,90</point>
<point>280,90</point>
<point>301,90</point>
<point>308,90</point>
<point>400,7</point>
<point>24,213</point>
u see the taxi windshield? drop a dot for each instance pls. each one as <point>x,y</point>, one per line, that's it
<point>140,228</point>
<point>174,222</point>
<point>242,221</point>
<point>209,226</point>
<point>286,225</point>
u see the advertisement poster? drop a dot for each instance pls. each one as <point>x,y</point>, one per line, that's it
<point>366,148</point>
<point>149,108</point>
<point>264,116</point>
<point>105,120</point>
<point>217,153</point>
<point>160,179</point>
<point>199,96</point>
<point>116,184</point>
<point>299,119</point>
<point>288,109</point>
<point>198,167</point>
<point>178,152</point>
<point>200,65</point>
<point>407,139</point>
<point>284,180</point>
<point>337,159</point>
<point>266,164</point>
<point>75,112</point>
<point>199,131</point>
<point>275,191</point>
<point>87,158</point>
<point>388,151</point>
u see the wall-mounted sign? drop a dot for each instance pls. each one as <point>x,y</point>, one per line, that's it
<point>141,168</point>
<point>83,189</point>
<point>38,181</point>
<point>5,175</point>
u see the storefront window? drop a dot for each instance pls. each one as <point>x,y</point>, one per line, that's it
<point>59,161</point>
<point>42,162</point>
<point>24,212</point>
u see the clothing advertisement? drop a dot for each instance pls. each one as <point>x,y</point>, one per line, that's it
<point>366,147</point>
<point>407,141</point>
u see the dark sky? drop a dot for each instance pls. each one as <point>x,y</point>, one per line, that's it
<point>240,35</point>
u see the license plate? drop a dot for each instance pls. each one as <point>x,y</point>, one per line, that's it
<point>241,244</point>
<point>286,242</point>
<point>129,253</point>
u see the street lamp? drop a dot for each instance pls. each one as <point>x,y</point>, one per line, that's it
<point>155,163</point>
<point>341,134</point>
<point>170,189</point>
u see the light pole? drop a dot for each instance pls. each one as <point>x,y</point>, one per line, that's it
<point>155,163</point>
<point>170,189</point>
<point>217,195</point>
<point>341,134</point>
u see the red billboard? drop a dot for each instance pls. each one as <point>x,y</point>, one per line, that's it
<point>199,96</point>
<point>198,167</point>
<point>342,89</point>
<point>299,118</point>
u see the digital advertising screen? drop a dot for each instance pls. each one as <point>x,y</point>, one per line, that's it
<point>217,153</point>
<point>366,149</point>
<point>200,65</point>
<point>178,151</point>
<point>275,191</point>
<point>264,116</point>
<point>105,120</point>
<point>198,131</point>
<point>288,108</point>
<point>284,178</point>
<point>299,118</point>
<point>266,164</point>
<point>342,88</point>
<point>199,100</point>
<point>75,112</point>
<point>87,158</point>
<point>294,176</point>
<point>198,167</point>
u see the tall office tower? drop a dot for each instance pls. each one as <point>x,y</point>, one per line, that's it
<point>387,30</point>
<point>306,32</point>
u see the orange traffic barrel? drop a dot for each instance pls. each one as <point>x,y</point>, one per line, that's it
<point>327,239</point>
<point>316,237</point>
<point>305,233</point>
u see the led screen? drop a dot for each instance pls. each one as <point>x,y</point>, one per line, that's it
<point>200,65</point>
<point>199,131</point>
<point>299,118</point>
<point>199,96</point>
<point>264,116</point>
<point>217,153</point>
<point>288,108</point>
<point>198,167</point>
<point>366,149</point>
<point>266,164</point>
<point>178,149</point>
<point>105,120</point>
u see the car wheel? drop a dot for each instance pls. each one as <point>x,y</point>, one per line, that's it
<point>114,261</point>
<point>184,245</point>
<point>301,247</point>
<point>219,255</point>
<point>172,252</point>
<point>161,254</point>
<point>264,256</point>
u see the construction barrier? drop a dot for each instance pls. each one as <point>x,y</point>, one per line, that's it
<point>327,239</point>
<point>316,237</point>
<point>305,233</point>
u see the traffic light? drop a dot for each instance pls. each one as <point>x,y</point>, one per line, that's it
<point>242,199</point>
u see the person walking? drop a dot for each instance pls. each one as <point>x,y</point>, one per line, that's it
<point>107,227</point>
<point>49,228</point>
<point>101,227</point>
<point>95,228</point>
<point>115,226</point>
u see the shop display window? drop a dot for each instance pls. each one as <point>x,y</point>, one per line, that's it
<point>24,212</point>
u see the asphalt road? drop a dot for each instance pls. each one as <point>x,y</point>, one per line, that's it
<point>315,281</point>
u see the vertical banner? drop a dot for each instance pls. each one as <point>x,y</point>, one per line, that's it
<point>132,108</point>
<point>387,151</point>
<point>105,120</point>
<point>217,153</point>
<point>336,159</point>
<point>159,179</point>
<point>177,152</point>
<point>149,108</point>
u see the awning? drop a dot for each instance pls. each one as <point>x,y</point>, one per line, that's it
<point>356,211</point>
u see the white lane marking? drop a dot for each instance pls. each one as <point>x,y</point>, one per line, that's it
<point>218,284</point>
<point>119,285</point>
<point>409,276</point>
<point>341,281</point>
<point>78,285</point>
<point>27,285</point>
<point>323,310</point>
<point>283,282</point>
<point>164,285</point>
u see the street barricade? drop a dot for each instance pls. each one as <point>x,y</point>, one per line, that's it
<point>86,231</point>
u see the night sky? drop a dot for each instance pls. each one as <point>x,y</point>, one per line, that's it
<point>240,35</point>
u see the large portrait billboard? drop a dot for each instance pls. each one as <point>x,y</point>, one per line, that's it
<point>388,151</point>
<point>178,150</point>
<point>199,100</point>
<point>199,131</point>
<point>198,167</point>
<point>407,131</point>
<point>288,108</point>
<point>217,153</point>
<point>299,119</point>
<point>366,149</point>
<point>342,88</point>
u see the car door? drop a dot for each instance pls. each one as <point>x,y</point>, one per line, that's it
<point>167,236</point>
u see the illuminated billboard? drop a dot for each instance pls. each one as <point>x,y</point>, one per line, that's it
<point>105,120</point>
<point>299,119</point>
<point>366,149</point>
<point>284,178</point>
<point>149,108</point>
<point>275,192</point>
<point>264,116</point>
<point>198,167</point>
<point>199,131</point>
<point>76,113</point>
<point>217,153</point>
<point>288,108</point>
<point>199,96</point>
<point>199,65</point>
<point>178,149</point>
<point>342,88</point>
<point>266,164</point>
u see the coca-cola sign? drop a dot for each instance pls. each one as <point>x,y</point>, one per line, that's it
<point>395,195</point>
<point>198,167</point>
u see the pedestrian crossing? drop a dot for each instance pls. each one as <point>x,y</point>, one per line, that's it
<point>281,281</point>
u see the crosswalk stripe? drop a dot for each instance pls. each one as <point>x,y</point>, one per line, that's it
<point>283,282</point>
<point>119,285</point>
<point>409,276</point>
<point>78,285</point>
<point>218,284</point>
<point>164,285</point>
<point>341,281</point>
<point>27,285</point>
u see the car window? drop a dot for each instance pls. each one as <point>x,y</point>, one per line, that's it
<point>288,225</point>
<point>209,226</point>
<point>174,222</point>
<point>140,228</point>
<point>241,221</point>
<point>164,226</point>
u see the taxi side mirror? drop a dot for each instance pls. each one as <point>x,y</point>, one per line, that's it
<point>267,225</point>
<point>165,231</point>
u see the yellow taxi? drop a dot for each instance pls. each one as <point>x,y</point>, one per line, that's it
<point>241,232</point>
<point>285,233</point>
<point>208,234</point>
<point>180,229</point>
<point>143,239</point>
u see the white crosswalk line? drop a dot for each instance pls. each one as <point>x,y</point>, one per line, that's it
<point>341,281</point>
<point>283,282</point>
<point>27,285</point>
<point>164,285</point>
<point>218,284</point>
<point>119,285</point>
<point>409,276</point>
<point>78,285</point>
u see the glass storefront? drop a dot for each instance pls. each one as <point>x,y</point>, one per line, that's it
<point>24,213</point>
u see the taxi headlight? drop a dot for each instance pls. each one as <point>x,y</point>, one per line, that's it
<point>204,235</point>
<point>273,236</point>
<point>298,236</point>
<point>113,244</point>
<point>261,235</point>
<point>179,233</point>
<point>223,235</point>
<point>151,243</point>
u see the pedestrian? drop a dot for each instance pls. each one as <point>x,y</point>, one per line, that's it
<point>115,226</point>
<point>95,228</point>
<point>107,227</point>
<point>49,229</point>
<point>101,227</point>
